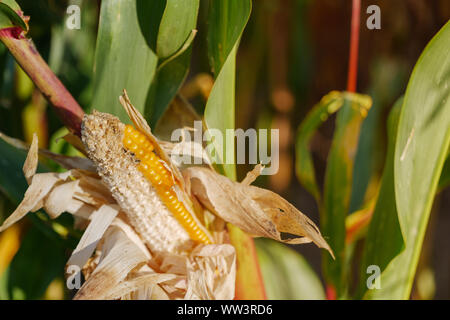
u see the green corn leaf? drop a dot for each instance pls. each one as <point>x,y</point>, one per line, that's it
<point>287,275</point>
<point>37,263</point>
<point>366,157</point>
<point>444,181</point>
<point>421,147</point>
<point>12,180</point>
<point>14,185</point>
<point>125,55</point>
<point>41,257</point>
<point>338,186</point>
<point>227,20</point>
<point>412,173</point>
<point>387,84</point>
<point>11,15</point>
<point>144,47</point>
<point>384,239</point>
<point>4,294</point>
<point>179,19</point>
<point>304,166</point>
<point>175,36</point>
<point>165,86</point>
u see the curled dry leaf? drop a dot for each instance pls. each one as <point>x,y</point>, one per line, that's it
<point>58,192</point>
<point>31,162</point>
<point>255,210</point>
<point>252,175</point>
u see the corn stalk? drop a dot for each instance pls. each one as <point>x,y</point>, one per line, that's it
<point>249,284</point>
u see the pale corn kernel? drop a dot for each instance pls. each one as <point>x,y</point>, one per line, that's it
<point>161,178</point>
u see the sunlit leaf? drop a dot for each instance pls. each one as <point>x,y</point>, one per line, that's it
<point>179,19</point>
<point>175,36</point>
<point>338,185</point>
<point>287,275</point>
<point>421,148</point>
<point>380,250</point>
<point>357,222</point>
<point>387,85</point>
<point>4,294</point>
<point>125,55</point>
<point>227,20</point>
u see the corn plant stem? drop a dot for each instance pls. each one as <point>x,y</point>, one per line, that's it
<point>354,44</point>
<point>26,55</point>
<point>249,280</point>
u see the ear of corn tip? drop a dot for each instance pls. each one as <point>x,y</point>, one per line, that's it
<point>162,180</point>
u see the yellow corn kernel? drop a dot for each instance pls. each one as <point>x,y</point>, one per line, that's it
<point>153,169</point>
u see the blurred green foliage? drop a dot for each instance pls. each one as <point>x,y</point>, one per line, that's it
<point>346,154</point>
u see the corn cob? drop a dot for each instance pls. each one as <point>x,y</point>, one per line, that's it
<point>140,183</point>
<point>162,180</point>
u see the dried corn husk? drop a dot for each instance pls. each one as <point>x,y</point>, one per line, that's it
<point>100,221</point>
<point>113,255</point>
<point>113,266</point>
<point>58,192</point>
<point>113,275</point>
<point>211,272</point>
<point>255,210</point>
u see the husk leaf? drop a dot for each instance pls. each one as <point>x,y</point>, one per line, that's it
<point>257,211</point>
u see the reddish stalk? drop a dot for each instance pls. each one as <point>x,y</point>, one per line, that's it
<point>249,280</point>
<point>26,55</point>
<point>354,44</point>
<point>331,292</point>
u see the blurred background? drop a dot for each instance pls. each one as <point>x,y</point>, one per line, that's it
<point>292,53</point>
